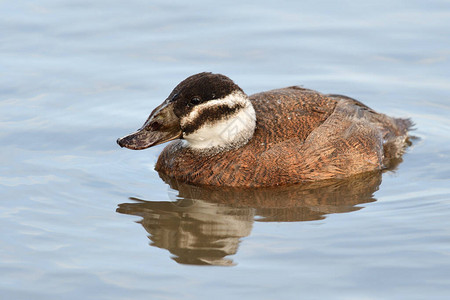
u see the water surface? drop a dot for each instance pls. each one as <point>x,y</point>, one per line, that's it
<point>83,219</point>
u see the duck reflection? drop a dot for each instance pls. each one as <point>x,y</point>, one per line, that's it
<point>206,224</point>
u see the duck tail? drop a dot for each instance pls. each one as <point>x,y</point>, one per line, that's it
<point>396,142</point>
<point>404,125</point>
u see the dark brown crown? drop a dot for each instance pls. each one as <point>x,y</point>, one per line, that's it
<point>200,88</point>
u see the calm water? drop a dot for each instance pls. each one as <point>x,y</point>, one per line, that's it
<point>81,218</point>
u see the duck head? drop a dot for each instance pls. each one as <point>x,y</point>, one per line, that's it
<point>208,111</point>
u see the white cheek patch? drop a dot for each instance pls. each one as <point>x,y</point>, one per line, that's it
<point>236,98</point>
<point>232,131</point>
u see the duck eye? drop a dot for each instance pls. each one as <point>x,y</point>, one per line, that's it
<point>195,101</point>
<point>174,97</point>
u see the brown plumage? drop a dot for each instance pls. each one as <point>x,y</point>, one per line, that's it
<point>300,135</point>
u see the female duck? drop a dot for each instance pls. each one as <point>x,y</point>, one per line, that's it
<point>278,137</point>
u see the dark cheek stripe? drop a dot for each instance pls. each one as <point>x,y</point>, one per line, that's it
<point>211,115</point>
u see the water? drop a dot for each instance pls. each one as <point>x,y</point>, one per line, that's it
<point>81,218</point>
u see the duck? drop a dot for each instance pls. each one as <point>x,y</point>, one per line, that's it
<point>221,137</point>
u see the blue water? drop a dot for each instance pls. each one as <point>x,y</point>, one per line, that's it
<point>81,218</point>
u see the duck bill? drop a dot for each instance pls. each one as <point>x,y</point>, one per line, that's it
<point>161,126</point>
